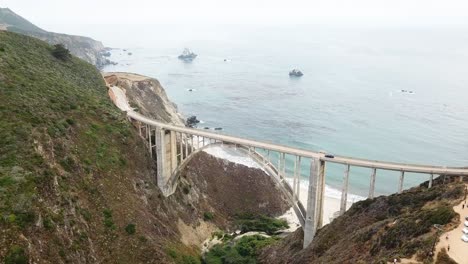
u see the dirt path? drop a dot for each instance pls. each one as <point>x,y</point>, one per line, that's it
<point>458,248</point>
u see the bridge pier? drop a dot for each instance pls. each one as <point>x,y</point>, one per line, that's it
<point>315,200</point>
<point>298,185</point>
<point>344,190</point>
<point>173,140</point>
<point>400,184</point>
<point>372,183</point>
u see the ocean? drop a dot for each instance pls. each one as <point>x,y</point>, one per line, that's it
<point>349,102</point>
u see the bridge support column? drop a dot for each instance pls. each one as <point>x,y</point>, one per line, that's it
<point>400,185</point>
<point>181,151</point>
<point>160,157</point>
<point>173,151</point>
<point>164,153</point>
<point>315,200</point>
<point>298,171</point>
<point>431,178</point>
<point>148,130</point>
<point>294,187</point>
<point>372,183</point>
<point>283,165</point>
<point>344,191</point>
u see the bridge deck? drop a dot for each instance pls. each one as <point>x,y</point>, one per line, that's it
<point>394,166</point>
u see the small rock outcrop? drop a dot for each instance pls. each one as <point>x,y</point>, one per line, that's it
<point>187,55</point>
<point>295,73</point>
<point>192,121</point>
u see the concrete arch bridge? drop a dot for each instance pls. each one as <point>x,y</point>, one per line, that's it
<point>174,146</point>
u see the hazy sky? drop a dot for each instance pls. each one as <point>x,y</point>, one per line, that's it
<point>50,12</point>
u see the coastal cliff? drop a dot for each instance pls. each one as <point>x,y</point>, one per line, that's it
<point>85,48</point>
<point>146,95</point>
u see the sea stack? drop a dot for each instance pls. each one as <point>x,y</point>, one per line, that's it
<point>295,73</point>
<point>187,55</point>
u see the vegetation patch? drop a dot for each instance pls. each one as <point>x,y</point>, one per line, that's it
<point>108,221</point>
<point>16,255</point>
<point>245,250</point>
<point>130,229</point>
<point>444,258</point>
<point>260,223</point>
<point>183,255</point>
<point>207,216</point>
<point>60,52</point>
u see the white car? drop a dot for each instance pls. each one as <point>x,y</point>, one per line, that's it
<point>465,238</point>
<point>466,223</point>
<point>465,230</point>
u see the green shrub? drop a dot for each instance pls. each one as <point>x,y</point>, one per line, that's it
<point>180,257</point>
<point>48,223</point>
<point>260,223</point>
<point>70,121</point>
<point>190,260</point>
<point>130,229</point>
<point>60,52</point>
<point>172,253</point>
<point>108,221</point>
<point>23,219</point>
<point>249,245</point>
<point>208,216</point>
<point>444,258</point>
<point>16,255</point>
<point>244,250</point>
<point>441,215</point>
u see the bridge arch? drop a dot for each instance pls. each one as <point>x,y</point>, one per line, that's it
<point>185,147</point>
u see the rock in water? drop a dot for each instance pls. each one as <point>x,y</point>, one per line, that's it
<point>187,55</point>
<point>296,73</point>
<point>192,121</point>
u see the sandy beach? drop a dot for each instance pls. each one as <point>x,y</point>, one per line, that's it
<point>458,249</point>
<point>332,200</point>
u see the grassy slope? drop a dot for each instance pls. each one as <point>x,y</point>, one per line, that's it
<point>72,170</point>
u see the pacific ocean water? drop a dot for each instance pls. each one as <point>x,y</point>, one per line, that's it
<point>349,101</point>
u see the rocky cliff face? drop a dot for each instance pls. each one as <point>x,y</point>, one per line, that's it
<point>146,95</point>
<point>85,48</point>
